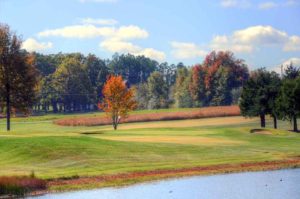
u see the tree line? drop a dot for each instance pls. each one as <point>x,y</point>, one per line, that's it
<point>72,82</point>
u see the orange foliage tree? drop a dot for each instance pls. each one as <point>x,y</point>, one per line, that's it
<point>118,99</point>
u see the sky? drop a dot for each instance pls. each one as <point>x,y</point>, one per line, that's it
<point>263,33</point>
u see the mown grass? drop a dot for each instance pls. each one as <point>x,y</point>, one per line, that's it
<point>53,151</point>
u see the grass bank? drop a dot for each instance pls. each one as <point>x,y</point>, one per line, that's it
<point>62,152</point>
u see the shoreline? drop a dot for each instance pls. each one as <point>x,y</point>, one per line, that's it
<point>126,179</point>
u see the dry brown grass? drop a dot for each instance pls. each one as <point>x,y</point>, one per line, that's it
<point>188,123</point>
<point>207,112</point>
<point>192,140</point>
<point>20,185</point>
<point>138,176</point>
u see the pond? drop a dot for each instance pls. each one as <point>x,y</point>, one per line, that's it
<point>277,184</point>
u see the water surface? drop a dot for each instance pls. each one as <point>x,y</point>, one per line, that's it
<point>280,184</point>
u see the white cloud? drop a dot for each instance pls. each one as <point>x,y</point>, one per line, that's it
<point>263,5</point>
<point>31,45</point>
<point>115,45</point>
<point>240,41</point>
<point>78,31</point>
<point>119,46</point>
<point>184,50</point>
<point>98,21</point>
<point>224,43</point>
<point>293,44</point>
<point>98,1</point>
<point>294,60</point>
<point>115,39</point>
<point>254,37</point>
<point>152,53</point>
<point>91,31</point>
<point>229,3</point>
<point>286,63</point>
<point>291,3</point>
<point>266,35</point>
<point>267,5</point>
<point>235,3</point>
<point>128,32</point>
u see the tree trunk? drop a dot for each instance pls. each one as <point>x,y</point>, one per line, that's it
<point>275,122</point>
<point>54,106</point>
<point>295,123</point>
<point>7,106</point>
<point>262,121</point>
<point>115,121</point>
<point>115,124</point>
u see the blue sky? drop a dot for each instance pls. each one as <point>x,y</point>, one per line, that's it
<point>263,33</point>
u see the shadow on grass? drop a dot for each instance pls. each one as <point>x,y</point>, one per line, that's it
<point>92,133</point>
<point>261,131</point>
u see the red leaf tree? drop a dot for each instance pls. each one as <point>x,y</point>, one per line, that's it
<point>118,100</point>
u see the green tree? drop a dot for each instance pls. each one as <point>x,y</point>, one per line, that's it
<point>291,72</point>
<point>141,95</point>
<point>168,72</point>
<point>49,94</point>
<point>18,76</point>
<point>158,91</point>
<point>73,84</point>
<point>45,64</point>
<point>288,102</point>
<point>183,97</point>
<point>259,94</point>
<point>222,94</point>
<point>97,74</point>
<point>133,69</point>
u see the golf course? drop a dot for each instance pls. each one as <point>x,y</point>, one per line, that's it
<point>83,157</point>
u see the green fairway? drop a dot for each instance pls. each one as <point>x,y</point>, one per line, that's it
<point>53,151</point>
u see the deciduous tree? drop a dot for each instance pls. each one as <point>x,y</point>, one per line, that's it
<point>118,99</point>
<point>183,97</point>
<point>158,91</point>
<point>18,76</point>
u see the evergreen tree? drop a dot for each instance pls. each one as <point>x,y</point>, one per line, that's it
<point>288,102</point>
<point>259,94</point>
<point>291,72</point>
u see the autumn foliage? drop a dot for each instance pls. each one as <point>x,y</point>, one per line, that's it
<point>213,81</point>
<point>118,99</point>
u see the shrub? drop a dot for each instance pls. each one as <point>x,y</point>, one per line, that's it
<point>21,185</point>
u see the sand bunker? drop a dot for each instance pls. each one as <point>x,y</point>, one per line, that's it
<point>192,140</point>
